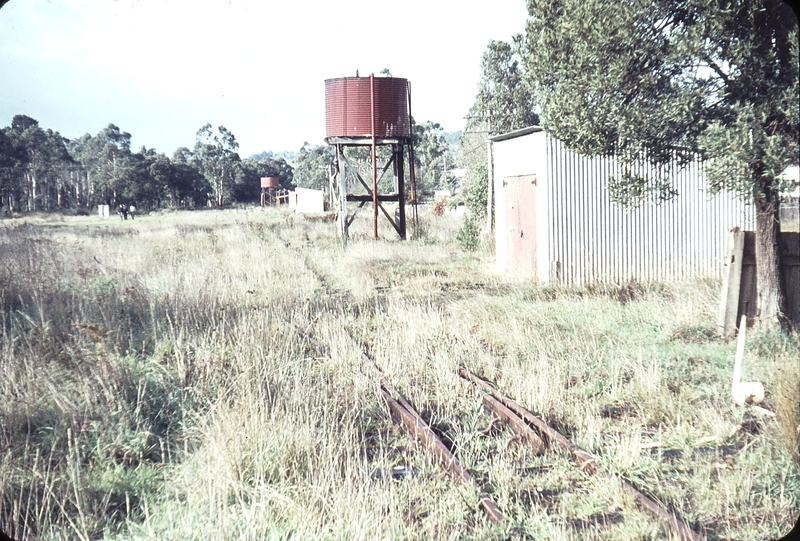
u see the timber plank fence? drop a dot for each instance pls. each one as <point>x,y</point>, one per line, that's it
<point>738,296</point>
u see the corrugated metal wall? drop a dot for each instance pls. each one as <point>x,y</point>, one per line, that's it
<point>591,239</point>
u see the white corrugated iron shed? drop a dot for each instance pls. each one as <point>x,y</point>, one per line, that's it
<point>555,221</point>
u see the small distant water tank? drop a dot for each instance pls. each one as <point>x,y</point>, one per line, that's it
<point>348,107</point>
<point>269,182</point>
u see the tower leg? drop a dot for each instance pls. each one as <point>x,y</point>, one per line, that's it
<point>401,193</point>
<point>341,177</point>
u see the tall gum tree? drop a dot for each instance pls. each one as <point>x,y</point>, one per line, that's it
<point>643,77</point>
<point>215,156</point>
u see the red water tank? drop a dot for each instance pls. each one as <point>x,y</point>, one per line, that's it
<point>348,107</point>
<point>269,182</point>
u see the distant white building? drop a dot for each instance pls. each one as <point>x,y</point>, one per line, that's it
<point>306,200</point>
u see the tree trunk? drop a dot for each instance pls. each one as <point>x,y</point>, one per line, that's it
<point>770,298</point>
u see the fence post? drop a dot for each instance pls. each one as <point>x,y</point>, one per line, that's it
<point>731,281</point>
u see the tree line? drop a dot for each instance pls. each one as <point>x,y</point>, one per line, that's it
<point>40,170</point>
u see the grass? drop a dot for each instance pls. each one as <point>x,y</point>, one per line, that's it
<point>155,388</point>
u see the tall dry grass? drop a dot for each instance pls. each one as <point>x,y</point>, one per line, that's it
<point>156,387</point>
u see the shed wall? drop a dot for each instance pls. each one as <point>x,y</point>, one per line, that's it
<point>587,238</point>
<point>306,200</point>
<point>516,157</point>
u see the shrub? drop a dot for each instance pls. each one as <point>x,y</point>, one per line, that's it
<point>468,237</point>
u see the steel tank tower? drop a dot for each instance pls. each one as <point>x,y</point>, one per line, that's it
<point>370,112</point>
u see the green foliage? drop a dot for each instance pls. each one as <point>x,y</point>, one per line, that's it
<point>505,101</point>
<point>248,180</point>
<point>107,161</point>
<point>637,79</point>
<point>287,155</point>
<point>216,158</point>
<point>186,186</point>
<point>469,236</point>
<point>34,163</point>
<point>312,166</point>
<point>430,156</point>
<point>476,191</point>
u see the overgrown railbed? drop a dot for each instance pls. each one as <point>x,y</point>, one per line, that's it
<point>154,386</point>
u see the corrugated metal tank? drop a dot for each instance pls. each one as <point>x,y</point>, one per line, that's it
<point>269,182</point>
<point>348,109</point>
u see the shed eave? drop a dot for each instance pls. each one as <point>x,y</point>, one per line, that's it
<point>516,133</point>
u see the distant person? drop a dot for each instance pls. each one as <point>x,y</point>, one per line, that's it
<point>121,212</point>
<point>132,211</point>
<point>125,211</point>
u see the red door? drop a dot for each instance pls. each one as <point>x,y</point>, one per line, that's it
<point>520,197</point>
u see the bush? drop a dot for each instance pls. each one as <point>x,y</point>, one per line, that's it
<point>438,208</point>
<point>469,236</point>
<point>476,192</point>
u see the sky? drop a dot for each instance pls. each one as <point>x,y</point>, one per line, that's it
<point>162,69</point>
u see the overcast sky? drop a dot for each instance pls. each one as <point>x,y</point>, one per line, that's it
<point>161,69</point>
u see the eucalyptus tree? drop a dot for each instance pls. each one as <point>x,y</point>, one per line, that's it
<point>639,78</point>
<point>248,181</point>
<point>36,161</point>
<point>430,155</point>
<point>312,166</point>
<point>147,177</point>
<point>11,159</point>
<point>505,99</point>
<point>186,185</point>
<point>216,158</point>
<point>106,160</point>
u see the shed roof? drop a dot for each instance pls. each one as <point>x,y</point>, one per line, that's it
<point>516,133</point>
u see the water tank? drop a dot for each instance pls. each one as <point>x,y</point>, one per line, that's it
<point>269,182</point>
<point>348,110</point>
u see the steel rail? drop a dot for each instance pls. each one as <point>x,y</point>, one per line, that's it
<point>519,426</point>
<point>585,460</point>
<point>424,434</point>
<point>415,424</point>
<point>402,410</point>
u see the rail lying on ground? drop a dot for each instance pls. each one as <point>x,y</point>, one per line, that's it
<point>586,461</point>
<point>521,422</point>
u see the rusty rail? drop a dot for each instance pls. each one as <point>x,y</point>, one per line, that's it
<point>585,460</point>
<point>402,410</point>
<point>520,420</point>
<point>422,432</point>
<point>517,425</point>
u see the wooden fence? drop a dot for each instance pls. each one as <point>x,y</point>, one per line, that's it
<point>738,296</point>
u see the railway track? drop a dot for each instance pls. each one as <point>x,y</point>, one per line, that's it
<point>528,428</point>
